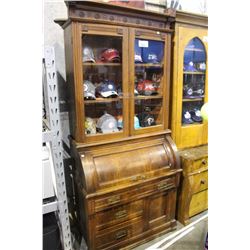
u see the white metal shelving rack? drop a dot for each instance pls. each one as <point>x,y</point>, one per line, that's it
<point>53,137</point>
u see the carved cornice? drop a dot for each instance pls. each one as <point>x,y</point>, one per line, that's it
<point>97,12</point>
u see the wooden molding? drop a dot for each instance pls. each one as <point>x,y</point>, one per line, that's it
<point>191,18</point>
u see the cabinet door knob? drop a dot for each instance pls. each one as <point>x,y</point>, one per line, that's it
<point>204,162</point>
<point>203,181</point>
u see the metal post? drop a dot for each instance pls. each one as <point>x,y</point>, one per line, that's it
<point>51,92</point>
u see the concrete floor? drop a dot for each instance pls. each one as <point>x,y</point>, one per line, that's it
<point>195,240</point>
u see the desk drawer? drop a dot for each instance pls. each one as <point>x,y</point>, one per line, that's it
<point>114,236</point>
<point>197,164</point>
<point>199,203</point>
<point>119,214</point>
<point>135,193</point>
<point>199,181</point>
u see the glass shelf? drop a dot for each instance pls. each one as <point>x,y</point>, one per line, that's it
<point>139,97</point>
<point>101,64</point>
<point>103,100</point>
<point>192,99</point>
<point>148,65</point>
<point>194,73</point>
<point>194,49</point>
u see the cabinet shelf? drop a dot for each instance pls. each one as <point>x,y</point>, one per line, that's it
<point>194,49</point>
<point>104,134</point>
<point>194,73</point>
<point>192,125</point>
<point>102,64</point>
<point>192,99</point>
<point>142,97</point>
<point>103,100</point>
<point>148,65</point>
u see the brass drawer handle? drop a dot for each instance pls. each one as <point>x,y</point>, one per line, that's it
<point>204,162</point>
<point>203,181</point>
<point>121,234</point>
<point>114,199</point>
<point>162,185</point>
<point>138,177</point>
<point>120,214</point>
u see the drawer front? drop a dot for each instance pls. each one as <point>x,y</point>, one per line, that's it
<point>199,182</point>
<point>201,163</point>
<point>115,236</point>
<point>119,214</point>
<point>191,166</point>
<point>135,193</point>
<point>199,203</point>
<point>164,185</point>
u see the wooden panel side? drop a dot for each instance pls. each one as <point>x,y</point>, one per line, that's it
<point>174,87</point>
<point>77,62</point>
<point>70,78</point>
<point>199,203</point>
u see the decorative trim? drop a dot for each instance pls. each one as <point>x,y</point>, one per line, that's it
<point>191,18</point>
<point>97,12</point>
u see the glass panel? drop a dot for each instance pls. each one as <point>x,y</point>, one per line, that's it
<point>102,74</point>
<point>194,76</point>
<point>191,112</point>
<point>148,80</point>
<point>148,112</point>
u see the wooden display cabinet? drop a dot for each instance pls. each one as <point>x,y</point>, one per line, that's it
<point>126,170</point>
<point>190,80</point>
<point>190,92</point>
<point>123,33</point>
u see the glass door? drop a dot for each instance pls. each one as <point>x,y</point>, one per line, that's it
<point>148,83</point>
<point>103,85</point>
<point>194,75</point>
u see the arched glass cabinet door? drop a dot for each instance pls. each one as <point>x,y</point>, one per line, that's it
<point>194,77</point>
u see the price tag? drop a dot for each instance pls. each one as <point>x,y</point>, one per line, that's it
<point>143,43</point>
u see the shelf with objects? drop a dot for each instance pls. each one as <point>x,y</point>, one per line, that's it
<point>190,80</point>
<point>127,168</point>
<point>194,72</point>
<point>189,130</point>
<point>108,99</point>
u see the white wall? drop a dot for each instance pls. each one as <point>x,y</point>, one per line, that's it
<point>53,33</point>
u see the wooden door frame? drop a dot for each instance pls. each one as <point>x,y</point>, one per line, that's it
<point>103,30</point>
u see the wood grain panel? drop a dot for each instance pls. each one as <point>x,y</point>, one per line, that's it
<point>119,234</point>
<point>192,197</point>
<point>199,203</point>
<point>119,214</point>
